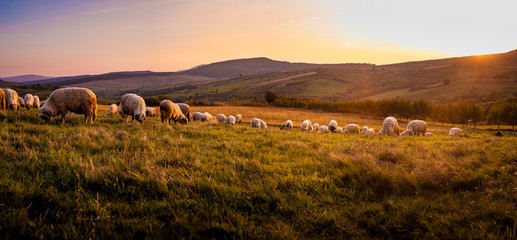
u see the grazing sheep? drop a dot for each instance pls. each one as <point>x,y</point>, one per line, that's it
<point>407,132</point>
<point>390,127</point>
<point>185,109</point>
<point>352,128</point>
<point>150,112</point>
<point>197,116</point>
<point>11,99</point>
<point>263,124</point>
<point>255,123</point>
<point>208,116</point>
<point>363,131</point>
<point>428,134</point>
<point>21,102</point>
<point>370,131</point>
<point>332,125</point>
<point>2,100</point>
<point>499,134</point>
<point>231,120</point>
<point>171,111</point>
<point>339,130</point>
<point>238,118</point>
<point>113,109</point>
<point>132,105</point>
<point>418,127</point>
<point>456,132</point>
<point>36,102</point>
<point>42,102</point>
<point>29,100</point>
<point>287,125</point>
<point>71,99</point>
<point>323,129</point>
<point>306,126</point>
<point>315,126</point>
<point>221,118</point>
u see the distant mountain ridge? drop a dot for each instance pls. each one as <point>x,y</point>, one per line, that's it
<point>25,78</point>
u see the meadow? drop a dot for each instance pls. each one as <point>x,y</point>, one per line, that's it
<point>118,180</point>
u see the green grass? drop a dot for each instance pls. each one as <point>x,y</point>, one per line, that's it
<point>123,180</point>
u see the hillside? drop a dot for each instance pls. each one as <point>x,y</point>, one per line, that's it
<point>25,78</point>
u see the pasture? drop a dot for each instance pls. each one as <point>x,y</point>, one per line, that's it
<point>128,180</point>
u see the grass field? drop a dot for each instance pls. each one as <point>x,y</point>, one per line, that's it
<point>130,180</point>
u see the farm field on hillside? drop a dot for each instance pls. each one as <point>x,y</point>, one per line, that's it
<point>128,180</point>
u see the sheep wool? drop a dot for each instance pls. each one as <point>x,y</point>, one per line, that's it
<point>221,118</point>
<point>370,131</point>
<point>2,100</point>
<point>113,109</point>
<point>418,127</point>
<point>390,127</point>
<point>171,111</point>
<point>72,99</point>
<point>231,120</point>
<point>197,116</point>
<point>255,123</point>
<point>428,134</point>
<point>186,110</point>
<point>29,100</point>
<point>11,99</point>
<point>36,102</point>
<point>352,128</point>
<point>339,130</point>
<point>323,129</point>
<point>132,105</point>
<point>287,125</point>
<point>21,102</point>
<point>407,132</point>
<point>238,118</point>
<point>150,112</point>
<point>456,132</point>
<point>306,126</point>
<point>208,116</point>
<point>363,131</point>
<point>315,126</point>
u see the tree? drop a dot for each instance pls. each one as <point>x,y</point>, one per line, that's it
<point>509,111</point>
<point>270,96</point>
<point>495,114</point>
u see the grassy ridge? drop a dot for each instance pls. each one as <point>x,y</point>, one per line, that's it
<point>121,180</point>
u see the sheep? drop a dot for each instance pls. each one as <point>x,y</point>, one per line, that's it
<point>390,127</point>
<point>11,99</point>
<point>263,124</point>
<point>352,128</point>
<point>306,126</point>
<point>418,127</point>
<point>370,131</point>
<point>42,102</point>
<point>428,134</point>
<point>221,118</point>
<point>287,125</point>
<point>70,99</point>
<point>407,132</point>
<point>499,134</point>
<point>185,109</point>
<point>171,111</point>
<point>238,118</point>
<point>363,131</point>
<point>323,129</point>
<point>208,116</point>
<point>113,109</point>
<point>21,102</point>
<point>456,132</point>
<point>29,100</point>
<point>231,120</point>
<point>255,123</point>
<point>37,102</point>
<point>315,126</point>
<point>2,100</point>
<point>150,112</point>
<point>132,105</point>
<point>197,116</point>
<point>332,125</point>
<point>339,130</point>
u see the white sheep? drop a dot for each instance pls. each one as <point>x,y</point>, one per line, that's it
<point>11,99</point>
<point>208,116</point>
<point>238,118</point>
<point>36,102</point>
<point>71,99</point>
<point>171,111</point>
<point>263,124</point>
<point>390,127</point>
<point>132,105</point>
<point>418,127</point>
<point>306,126</point>
<point>407,132</point>
<point>323,129</point>
<point>113,109</point>
<point>332,125</point>
<point>315,126</point>
<point>186,110</point>
<point>197,116</point>
<point>150,112</point>
<point>456,132</point>
<point>370,131</point>
<point>255,123</point>
<point>429,134</point>
<point>352,128</point>
<point>29,100</point>
<point>231,120</point>
<point>339,130</point>
<point>363,131</point>
<point>287,125</point>
<point>21,102</point>
<point>221,118</point>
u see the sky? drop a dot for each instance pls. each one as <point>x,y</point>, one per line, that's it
<point>73,37</point>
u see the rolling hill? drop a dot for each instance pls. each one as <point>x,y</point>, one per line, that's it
<point>435,80</point>
<point>25,78</point>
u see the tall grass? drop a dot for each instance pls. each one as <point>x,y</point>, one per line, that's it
<point>128,180</point>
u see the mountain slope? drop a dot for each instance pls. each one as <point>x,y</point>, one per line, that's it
<point>25,78</point>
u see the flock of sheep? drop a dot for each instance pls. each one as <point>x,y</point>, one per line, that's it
<point>83,101</point>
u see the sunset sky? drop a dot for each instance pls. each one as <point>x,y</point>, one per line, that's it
<point>72,37</point>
